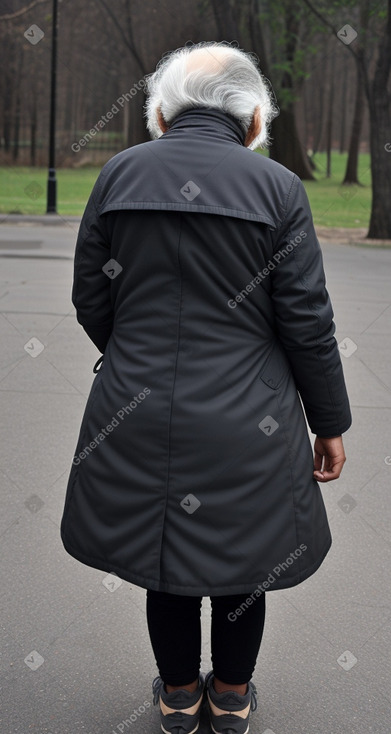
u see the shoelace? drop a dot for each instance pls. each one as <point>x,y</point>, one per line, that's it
<point>253,699</point>
<point>157,684</point>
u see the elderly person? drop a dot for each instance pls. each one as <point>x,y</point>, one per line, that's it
<point>199,277</point>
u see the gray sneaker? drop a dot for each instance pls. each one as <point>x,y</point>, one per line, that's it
<point>179,710</point>
<point>229,712</point>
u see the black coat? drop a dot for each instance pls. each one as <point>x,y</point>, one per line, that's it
<point>199,274</point>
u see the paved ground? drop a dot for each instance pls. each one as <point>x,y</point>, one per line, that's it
<point>77,658</point>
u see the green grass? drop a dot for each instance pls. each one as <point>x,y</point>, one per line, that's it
<point>334,205</point>
<point>23,191</point>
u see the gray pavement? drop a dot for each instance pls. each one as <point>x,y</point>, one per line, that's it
<point>76,654</point>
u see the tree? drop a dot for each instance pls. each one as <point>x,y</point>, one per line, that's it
<point>330,111</point>
<point>376,82</point>
<point>22,11</point>
<point>288,70</point>
<point>242,21</point>
<point>124,28</point>
<point>351,173</point>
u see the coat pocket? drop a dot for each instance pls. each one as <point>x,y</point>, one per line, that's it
<point>275,368</point>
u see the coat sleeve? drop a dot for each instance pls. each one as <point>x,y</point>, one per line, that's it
<point>304,319</point>
<point>91,292</point>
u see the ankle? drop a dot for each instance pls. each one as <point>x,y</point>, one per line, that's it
<point>221,687</point>
<point>188,687</point>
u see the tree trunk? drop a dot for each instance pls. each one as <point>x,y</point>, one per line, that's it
<point>330,112</point>
<point>380,221</point>
<point>226,27</point>
<point>286,148</point>
<point>343,110</point>
<point>351,173</point>
<point>379,103</point>
<point>33,135</point>
<point>380,126</point>
<point>15,149</point>
<point>7,131</point>
<point>137,132</point>
<point>18,106</point>
<point>319,120</point>
<point>7,100</point>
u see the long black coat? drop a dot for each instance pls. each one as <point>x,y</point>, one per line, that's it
<point>199,275</point>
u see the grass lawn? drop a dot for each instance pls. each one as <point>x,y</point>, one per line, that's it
<point>334,205</point>
<point>23,191</point>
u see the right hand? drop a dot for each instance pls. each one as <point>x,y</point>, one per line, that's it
<point>329,458</point>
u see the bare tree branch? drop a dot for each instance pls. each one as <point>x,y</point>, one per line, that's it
<point>129,43</point>
<point>326,22</point>
<point>22,11</point>
<point>357,55</point>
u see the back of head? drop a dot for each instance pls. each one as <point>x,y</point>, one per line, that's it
<point>211,75</point>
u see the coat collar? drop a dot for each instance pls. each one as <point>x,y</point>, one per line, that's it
<point>210,122</point>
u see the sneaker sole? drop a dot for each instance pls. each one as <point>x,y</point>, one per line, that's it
<point>219,732</point>
<point>170,732</point>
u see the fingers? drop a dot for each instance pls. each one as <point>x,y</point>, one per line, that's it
<point>318,460</point>
<point>331,470</point>
<point>329,458</point>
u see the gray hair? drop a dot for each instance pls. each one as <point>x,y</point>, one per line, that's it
<point>238,87</point>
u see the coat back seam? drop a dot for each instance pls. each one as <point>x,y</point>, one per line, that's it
<point>172,397</point>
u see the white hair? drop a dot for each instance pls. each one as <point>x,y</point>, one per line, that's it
<point>237,87</point>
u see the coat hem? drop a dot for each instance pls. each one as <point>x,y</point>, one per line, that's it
<point>155,585</point>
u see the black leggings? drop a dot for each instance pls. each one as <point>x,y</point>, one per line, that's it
<point>174,624</point>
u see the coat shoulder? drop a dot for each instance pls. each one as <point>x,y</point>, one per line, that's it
<point>252,160</point>
<point>244,184</point>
